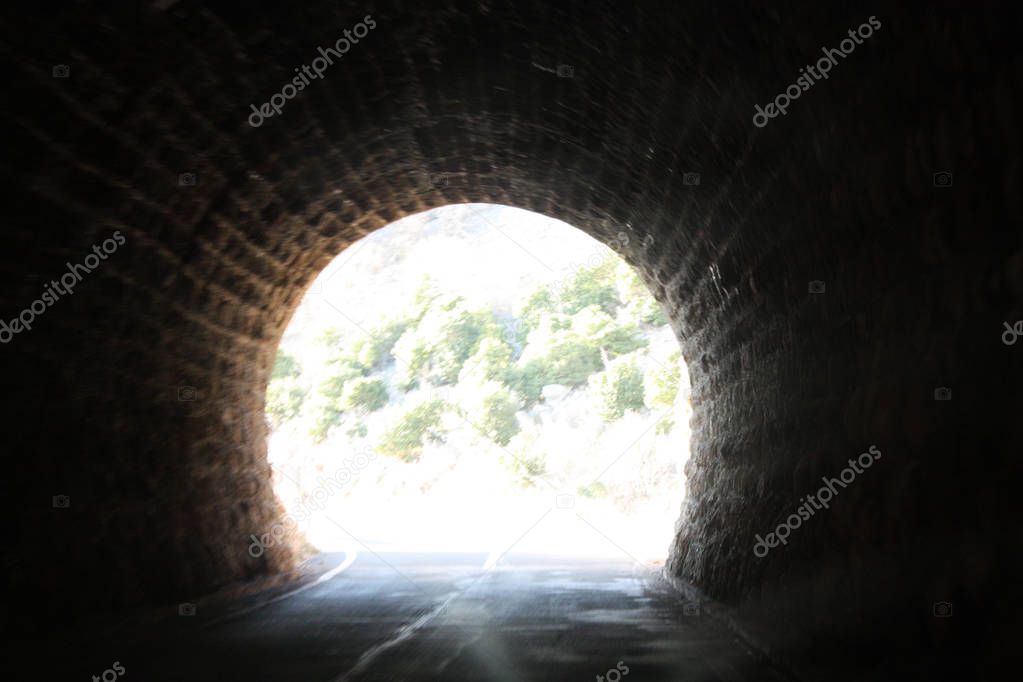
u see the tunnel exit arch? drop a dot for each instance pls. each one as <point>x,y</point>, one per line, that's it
<point>490,259</point>
<point>150,378</point>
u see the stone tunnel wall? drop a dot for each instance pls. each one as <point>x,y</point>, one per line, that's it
<point>140,395</point>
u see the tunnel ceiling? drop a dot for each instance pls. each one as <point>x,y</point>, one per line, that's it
<point>822,279</point>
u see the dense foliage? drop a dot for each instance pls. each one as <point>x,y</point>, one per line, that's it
<point>285,395</point>
<point>618,388</point>
<point>406,437</point>
<point>587,332</point>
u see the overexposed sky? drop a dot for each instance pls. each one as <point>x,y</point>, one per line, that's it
<point>487,253</point>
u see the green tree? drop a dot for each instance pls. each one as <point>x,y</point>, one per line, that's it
<point>491,362</point>
<point>330,338</point>
<point>526,458</point>
<point>618,388</point>
<point>374,350</point>
<point>594,285</point>
<point>571,359</point>
<point>285,365</point>
<point>415,352</point>
<point>661,387</point>
<point>326,419</point>
<point>407,436</point>
<point>359,430</point>
<point>568,349</point>
<point>425,298</point>
<point>539,303</point>
<point>529,378</point>
<point>661,383</point>
<point>494,416</point>
<point>567,357</point>
<point>593,490</point>
<point>439,345</point>
<point>606,333</point>
<point>639,303</point>
<point>332,396</point>
<point>341,370</point>
<point>284,400</point>
<point>365,393</point>
<point>284,394</point>
<point>556,353</point>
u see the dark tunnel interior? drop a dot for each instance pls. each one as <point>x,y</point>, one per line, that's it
<point>845,281</point>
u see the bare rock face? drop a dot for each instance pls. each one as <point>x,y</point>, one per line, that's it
<point>825,273</point>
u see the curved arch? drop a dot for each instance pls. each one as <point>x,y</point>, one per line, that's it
<point>156,367</point>
<point>494,259</point>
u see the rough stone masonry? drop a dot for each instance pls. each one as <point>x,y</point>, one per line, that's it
<point>826,274</point>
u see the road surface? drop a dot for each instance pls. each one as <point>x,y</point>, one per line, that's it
<point>453,617</point>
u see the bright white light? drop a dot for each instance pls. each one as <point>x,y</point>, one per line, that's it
<point>610,489</point>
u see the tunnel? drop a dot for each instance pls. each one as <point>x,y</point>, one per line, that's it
<point>843,269</point>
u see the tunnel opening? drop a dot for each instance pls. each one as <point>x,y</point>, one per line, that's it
<point>842,276</point>
<point>452,378</point>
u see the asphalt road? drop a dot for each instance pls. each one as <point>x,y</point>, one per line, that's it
<point>418,617</point>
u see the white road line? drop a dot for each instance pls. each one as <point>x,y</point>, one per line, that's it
<point>400,636</point>
<point>350,558</point>
<point>492,558</point>
<point>407,631</point>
